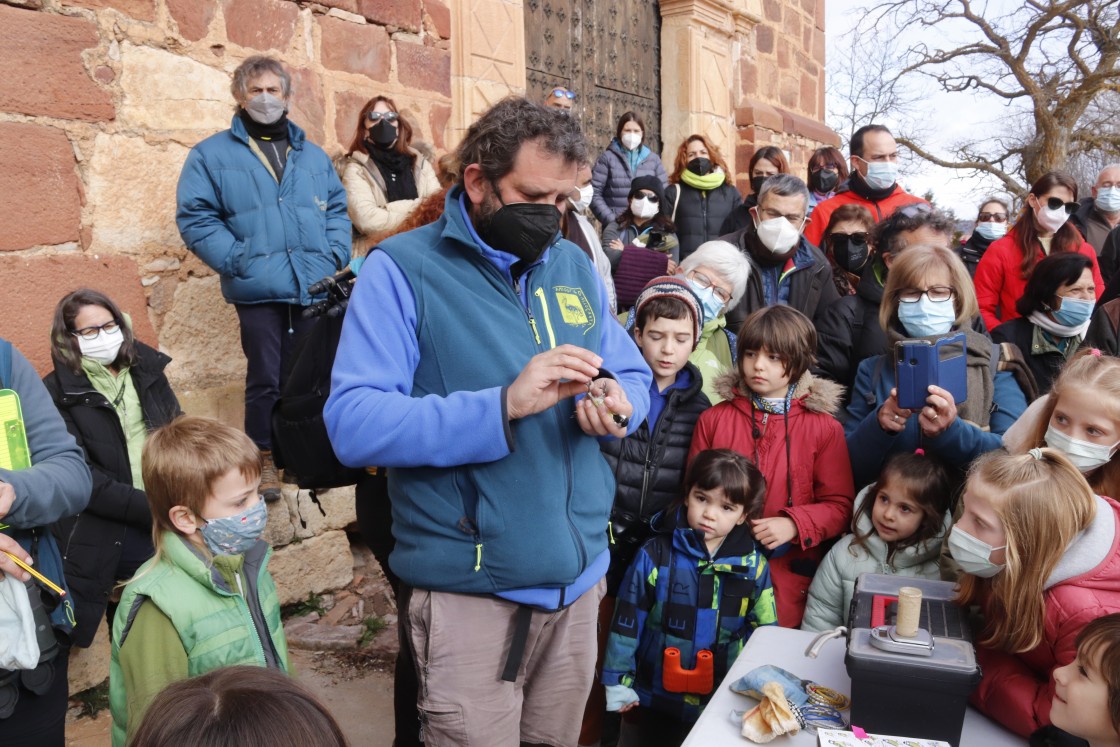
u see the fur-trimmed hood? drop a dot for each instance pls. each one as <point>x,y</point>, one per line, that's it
<point>815,394</point>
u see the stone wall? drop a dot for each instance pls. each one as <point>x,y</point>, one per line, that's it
<point>101,101</point>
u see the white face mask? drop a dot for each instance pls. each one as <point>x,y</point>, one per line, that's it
<point>266,108</point>
<point>973,555</point>
<point>585,195</point>
<point>992,230</point>
<point>643,208</point>
<point>1108,199</point>
<point>881,174</point>
<point>104,348</point>
<point>631,140</point>
<point>778,234</point>
<point>1052,220</point>
<point>1085,456</point>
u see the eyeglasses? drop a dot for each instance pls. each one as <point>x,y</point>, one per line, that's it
<point>859,238</point>
<point>1056,203</point>
<point>704,281</point>
<point>937,294</point>
<point>815,169</point>
<point>378,116</point>
<point>914,210</point>
<point>563,93</point>
<point>771,214</point>
<point>991,218</point>
<point>652,199</point>
<point>91,333</point>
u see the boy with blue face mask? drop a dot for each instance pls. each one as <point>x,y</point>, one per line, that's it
<point>206,600</point>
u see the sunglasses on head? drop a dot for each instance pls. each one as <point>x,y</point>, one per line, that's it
<point>563,93</point>
<point>914,210</point>
<point>378,116</point>
<point>859,238</point>
<point>1056,203</point>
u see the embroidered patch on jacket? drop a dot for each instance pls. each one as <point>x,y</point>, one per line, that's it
<point>574,308</point>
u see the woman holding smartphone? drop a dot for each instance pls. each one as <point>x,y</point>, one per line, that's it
<point>928,296</point>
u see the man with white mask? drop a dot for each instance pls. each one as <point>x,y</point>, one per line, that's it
<point>1099,213</point>
<point>872,183</point>
<point>785,267</point>
<point>264,209</point>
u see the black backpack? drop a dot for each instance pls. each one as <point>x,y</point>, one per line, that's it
<point>300,444</point>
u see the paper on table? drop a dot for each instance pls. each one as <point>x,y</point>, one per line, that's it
<point>837,738</point>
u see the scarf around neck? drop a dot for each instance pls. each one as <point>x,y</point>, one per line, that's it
<point>396,170</point>
<point>861,188</point>
<point>709,181</point>
<point>1039,319</point>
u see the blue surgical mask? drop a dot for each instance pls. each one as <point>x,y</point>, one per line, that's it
<point>927,318</point>
<point>713,307</point>
<point>1074,311</point>
<point>233,535</point>
<point>881,174</point>
<point>992,230</point>
<point>1108,199</point>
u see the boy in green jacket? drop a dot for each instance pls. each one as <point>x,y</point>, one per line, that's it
<point>206,599</point>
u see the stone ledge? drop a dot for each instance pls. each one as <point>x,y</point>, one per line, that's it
<point>768,117</point>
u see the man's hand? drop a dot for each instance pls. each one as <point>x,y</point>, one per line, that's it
<point>597,419</point>
<point>7,544</point>
<point>549,377</point>
<point>7,498</point>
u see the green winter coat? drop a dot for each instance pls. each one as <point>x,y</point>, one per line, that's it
<point>222,613</point>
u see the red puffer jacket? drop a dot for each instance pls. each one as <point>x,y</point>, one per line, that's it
<point>818,222</point>
<point>823,492</point>
<point>1017,688</point>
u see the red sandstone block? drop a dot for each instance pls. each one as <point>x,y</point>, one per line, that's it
<point>141,10</point>
<point>355,48</point>
<point>261,24</point>
<point>441,17</point>
<point>764,39</point>
<point>809,96</point>
<point>42,202</point>
<point>41,56</point>
<point>34,286</point>
<point>426,68</point>
<point>438,119</point>
<point>350,6</point>
<point>308,109</point>
<point>405,14</point>
<point>347,107</point>
<point>193,17</point>
<point>772,10</point>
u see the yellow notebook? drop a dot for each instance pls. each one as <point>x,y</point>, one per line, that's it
<point>14,452</point>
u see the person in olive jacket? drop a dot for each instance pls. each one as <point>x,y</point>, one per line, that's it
<point>111,391</point>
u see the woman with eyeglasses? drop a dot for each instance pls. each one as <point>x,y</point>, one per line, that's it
<point>385,177</point>
<point>624,160</point>
<point>991,225</point>
<point>1043,229</point>
<point>700,196</point>
<point>111,391</point>
<point>928,295</point>
<point>1054,314</point>
<point>845,243</point>
<point>827,173</point>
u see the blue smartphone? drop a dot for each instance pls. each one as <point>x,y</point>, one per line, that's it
<point>921,364</point>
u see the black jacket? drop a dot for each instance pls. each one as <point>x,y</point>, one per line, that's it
<point>700,214</point>
<point>649,471</point>
<point>91,541</point>
<point>740,217</point>
<point>811,289</point>
<point>1044,366</point>
<point>972,251</point>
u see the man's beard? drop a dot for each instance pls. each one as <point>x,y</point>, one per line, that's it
<point>485,211</point>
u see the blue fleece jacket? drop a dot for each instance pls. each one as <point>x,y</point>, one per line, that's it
<point>436,330</point>
<point>869,445</point>
<point>268,240</point>
<point>57,484</point>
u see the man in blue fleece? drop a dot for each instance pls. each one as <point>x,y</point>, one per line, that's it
<point>57,484</point>
<point>467,346</point>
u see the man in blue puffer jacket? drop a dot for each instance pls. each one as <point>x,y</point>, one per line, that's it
<point>465,347</point>
<point>265,210</point>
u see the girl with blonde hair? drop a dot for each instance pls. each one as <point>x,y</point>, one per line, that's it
<point>1039,554</point>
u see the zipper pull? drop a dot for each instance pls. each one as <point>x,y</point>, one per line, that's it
<point>610,531</point>
<point>478,557</point>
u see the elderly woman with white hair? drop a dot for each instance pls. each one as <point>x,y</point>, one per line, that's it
<point>718,272</point>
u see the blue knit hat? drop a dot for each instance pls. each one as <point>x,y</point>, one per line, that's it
<point>673,286</point>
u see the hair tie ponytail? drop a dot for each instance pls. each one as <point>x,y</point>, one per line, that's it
<point>1095,352</point>
<point>1036,453</point>
<point>920,451</point>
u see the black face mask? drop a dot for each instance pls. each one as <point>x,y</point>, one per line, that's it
<point>700,166</point>
<point>756,184</point>
<point>850,254</point>
<point>824,181</point>
<point>524,229</point>
<point>383,134</point>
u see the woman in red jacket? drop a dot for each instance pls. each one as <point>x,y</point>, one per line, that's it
<point>782,418</point>
<point>1041,556</point>
<point>1043,229</point>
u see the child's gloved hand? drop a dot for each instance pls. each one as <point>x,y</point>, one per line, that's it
<point>621,698</point>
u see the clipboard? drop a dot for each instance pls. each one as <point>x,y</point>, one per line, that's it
<point>14,451</point>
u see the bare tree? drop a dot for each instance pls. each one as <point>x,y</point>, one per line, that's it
<point>1052,63</point>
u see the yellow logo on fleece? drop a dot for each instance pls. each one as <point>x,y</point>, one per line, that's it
<point>574,308</point>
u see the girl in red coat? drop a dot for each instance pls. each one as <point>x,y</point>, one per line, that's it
<point>1041,556</point>
<point>780,417</point>
<point>1042,229</point>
